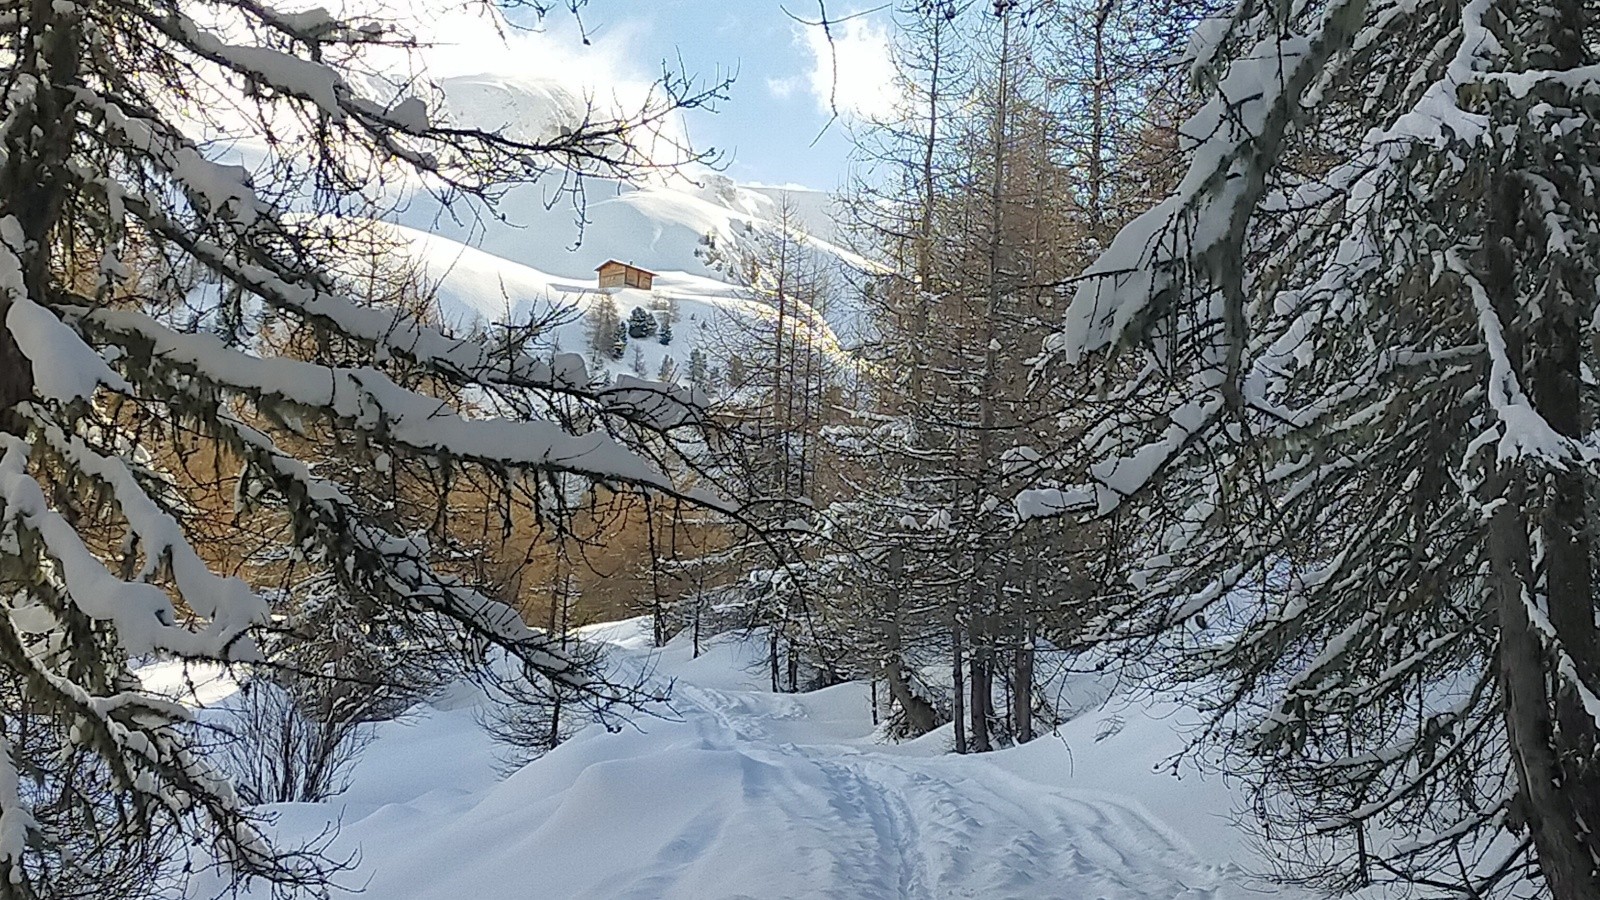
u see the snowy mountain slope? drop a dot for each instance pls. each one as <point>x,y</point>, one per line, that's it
<point>525,109</point>
<point>541,242</point>
<point>666,229</point>
<point>477,287</point>
<point>818,211</point>
<point>690,223</point>
<point>736,792</point>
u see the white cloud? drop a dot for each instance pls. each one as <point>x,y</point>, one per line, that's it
<point>854,72</point>
<point>784,88</point>
<point>552,66</point>
<point>474,39</point>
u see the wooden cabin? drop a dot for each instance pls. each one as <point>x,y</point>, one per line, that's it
<point>615,274</point>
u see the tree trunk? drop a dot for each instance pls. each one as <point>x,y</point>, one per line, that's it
<point>918,714</point>
<point>958,683</point>
<point>1022,684</point>
<point>927,199</point>
<point>772,659</point>
<point>1552,738</point>
<point>31,188</point>
<point>699,602</point>
<point>1097,123</point>
<point>1556,389</point>
<point>16,381</point>
<point>1557,793</point>
<point>980,587</point>
<point>982,687</point>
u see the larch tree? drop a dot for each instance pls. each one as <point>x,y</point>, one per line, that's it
<point>137,265</point>
<point>975,213</point>
<point>1116,93</point>
<point>1344,379</point>
<point>603,322</point>
<point>893,600</point>
<point>784,353</point>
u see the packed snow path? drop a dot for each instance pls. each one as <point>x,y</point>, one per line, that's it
<point>838,817</point>
<point>750,794</point>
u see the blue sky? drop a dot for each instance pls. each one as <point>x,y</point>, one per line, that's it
<point>769,126</point>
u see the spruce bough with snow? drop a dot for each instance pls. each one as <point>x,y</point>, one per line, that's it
<point>136,272</point>
<point>1357,420</point>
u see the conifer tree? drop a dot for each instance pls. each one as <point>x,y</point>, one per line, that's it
<point>619,341</point>
<point>975,211</point>
<point>1343,382</point>
<point>779,360</point>
<point>602,322</point>
<point>641,324</point>
<point>115,228</point>
<point>699,369</point>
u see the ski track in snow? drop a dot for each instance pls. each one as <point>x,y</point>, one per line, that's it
<point>909,827</point>
<point>739,793</point>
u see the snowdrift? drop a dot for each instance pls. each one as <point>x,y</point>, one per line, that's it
<point>735,792</point>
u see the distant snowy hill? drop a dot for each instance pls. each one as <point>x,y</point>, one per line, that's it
<point>539,246</point>
<point>477,287</point>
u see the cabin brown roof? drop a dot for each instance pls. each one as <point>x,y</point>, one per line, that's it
<point>615,273</point>
<point>618,262</point>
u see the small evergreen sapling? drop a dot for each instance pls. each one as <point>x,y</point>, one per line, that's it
<point>641,323</point>
<point>619,341</point>
<point>699,372</point>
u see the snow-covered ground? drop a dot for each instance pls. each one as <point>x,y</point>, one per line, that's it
<point>539,247</point>
<point>475,286</point>
<point>737,792</point>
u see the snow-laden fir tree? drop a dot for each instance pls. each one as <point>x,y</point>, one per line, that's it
<point>137,270</point>
<point>1345,375</point>
<point>641,323</point>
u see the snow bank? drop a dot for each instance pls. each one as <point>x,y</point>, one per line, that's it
<point>738,792</point>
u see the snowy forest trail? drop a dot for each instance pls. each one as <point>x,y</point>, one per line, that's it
<point>738,792</point>
<point>891,824</point>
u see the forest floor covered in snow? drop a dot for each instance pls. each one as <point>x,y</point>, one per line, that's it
<point>738,792</point>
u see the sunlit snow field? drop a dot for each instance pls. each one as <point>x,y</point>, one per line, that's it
<point>732,791</point>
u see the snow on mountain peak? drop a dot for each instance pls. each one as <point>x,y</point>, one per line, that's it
<point>539,249</point>
<point>522,108</point>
